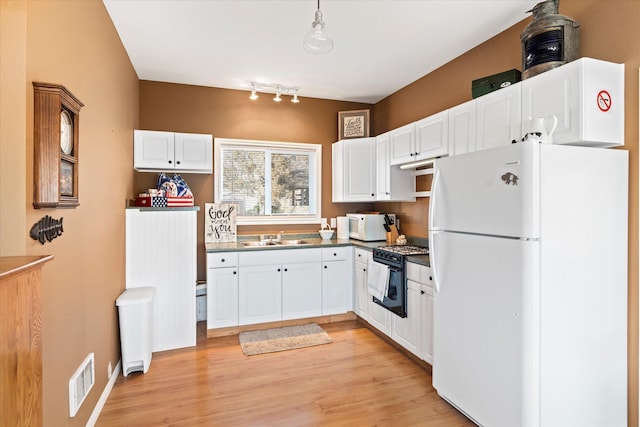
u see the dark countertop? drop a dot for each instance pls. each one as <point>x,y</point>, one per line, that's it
<point>314,241</point>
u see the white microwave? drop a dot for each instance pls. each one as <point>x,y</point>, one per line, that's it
<point>368,227</point>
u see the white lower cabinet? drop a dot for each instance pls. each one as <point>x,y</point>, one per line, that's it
<point>426,322</point>
<point>337,287</point>
<point>379,317</point>
<point>362,297</point>
<point>406,330</point>
<point>222,290</point>
<point>301,290</point>
<point>250,287</point>
<point>260,296</point>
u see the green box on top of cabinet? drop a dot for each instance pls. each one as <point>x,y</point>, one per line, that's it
<point>494,82</point>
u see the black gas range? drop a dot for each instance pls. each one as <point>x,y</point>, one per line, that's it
<point>394,257</point>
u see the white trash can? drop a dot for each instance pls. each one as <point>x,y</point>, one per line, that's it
<point>135,308</point>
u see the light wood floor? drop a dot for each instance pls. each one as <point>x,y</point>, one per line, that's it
<point>358,380</point>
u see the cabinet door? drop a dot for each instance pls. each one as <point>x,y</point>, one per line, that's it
<point>402,143</point>
<point>359,169</point>
<point>153,149</point>
<point>222,297</point>
<point>587,98</point>
<point>379,317</point>
<point>301,290</point>
<point>260,294</point>
<point>432,136</point>
<point>362,296</point>
<point>383,182</point>
<point>498,118</point>
<point>336,285</point>
<point>426,322</point>
<point>194,152</point>
<point>462,128</point>
<point>406,331</point>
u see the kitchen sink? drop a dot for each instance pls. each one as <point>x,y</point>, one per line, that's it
<point>259,243</point>
<point>292,242</point>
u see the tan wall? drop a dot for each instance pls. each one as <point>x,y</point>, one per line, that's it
<point>609,30</point>
<point>230,114</point>
<point>74,44</point>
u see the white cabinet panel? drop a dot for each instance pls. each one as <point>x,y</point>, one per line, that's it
<point>260,296</point>
<point>392,183</point>
<point>499,120</point>
<point>336,287</point>
<point>301,290</point>
<point>362,297</point>
<point>402,144</point>
<point>157,151</point>
<point>426,322</point>
<point>406,330</point>
<point>462,128</point>
<point>379,317</point>
<point>222,297</point>
<point>354,170</point>
<point>167,261</point>
<point>586,96</point>
<point>432,136</point>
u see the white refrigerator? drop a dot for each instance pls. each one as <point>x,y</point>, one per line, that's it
<point>528,247</point>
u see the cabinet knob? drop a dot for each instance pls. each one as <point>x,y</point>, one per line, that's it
<point>430,278</point>
<point>285,269</point>
<point>325,266</point>
<point>235,272</point>
<point>411,154</point>
<point>178,162</point>
<point>364,269</point>
<point>372,194</point>
<point>422,292</point>
<point>415,154</point>
<point>222,260</point>
<point>170,161</point>
<point>278,269</point>
<point>335,254</point>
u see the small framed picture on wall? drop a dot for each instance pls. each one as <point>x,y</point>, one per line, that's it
<point>353,124</point>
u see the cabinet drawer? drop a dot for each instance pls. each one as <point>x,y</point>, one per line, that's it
<point>338,253</point>
<point>362,255</point>
<point>279,256</point>
<point>222,259</point>
<point>416,272</point>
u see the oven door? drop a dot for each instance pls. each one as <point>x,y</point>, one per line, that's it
<point>396,298</point>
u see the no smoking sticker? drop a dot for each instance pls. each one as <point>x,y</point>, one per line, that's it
<point>604,101</point>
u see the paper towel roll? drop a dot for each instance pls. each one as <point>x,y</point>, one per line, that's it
<point>343,228</point>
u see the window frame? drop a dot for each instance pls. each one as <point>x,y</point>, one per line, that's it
<point>316,149</point>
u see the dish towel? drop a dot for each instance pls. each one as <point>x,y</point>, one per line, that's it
<point>378,279</point>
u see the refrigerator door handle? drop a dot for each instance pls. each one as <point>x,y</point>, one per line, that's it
<point>433,198</point>
<point>432,260</point>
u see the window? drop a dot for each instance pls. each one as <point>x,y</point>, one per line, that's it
<point>271,182</point>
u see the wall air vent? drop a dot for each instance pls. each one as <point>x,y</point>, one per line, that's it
<point>80,384</point>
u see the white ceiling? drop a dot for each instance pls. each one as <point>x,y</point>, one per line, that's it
<point>380,46</point>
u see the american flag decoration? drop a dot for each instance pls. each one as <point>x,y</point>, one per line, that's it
<point>164,202</point>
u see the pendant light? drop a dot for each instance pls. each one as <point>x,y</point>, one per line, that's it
<point>316,41</point>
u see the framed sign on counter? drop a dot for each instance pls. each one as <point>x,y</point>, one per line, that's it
<point>220,222</point>
<point>353,124</point>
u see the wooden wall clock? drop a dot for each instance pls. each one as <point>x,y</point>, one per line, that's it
<point>56,120</point>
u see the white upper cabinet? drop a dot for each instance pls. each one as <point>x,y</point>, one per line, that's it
<point>432,136</point>
<point>462,128</point>
<point>156,151</point>
<point>420,140</point>
<point>587,98</point>
<point>354,170</point>
<point>392,183</point>
<point>499,119</point>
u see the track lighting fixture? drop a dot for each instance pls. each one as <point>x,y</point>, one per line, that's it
<point>276,89</point>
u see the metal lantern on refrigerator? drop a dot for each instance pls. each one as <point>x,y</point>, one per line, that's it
<point>550,40</point>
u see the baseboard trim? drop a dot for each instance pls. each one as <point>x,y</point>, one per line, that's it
<point>93,419</point>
